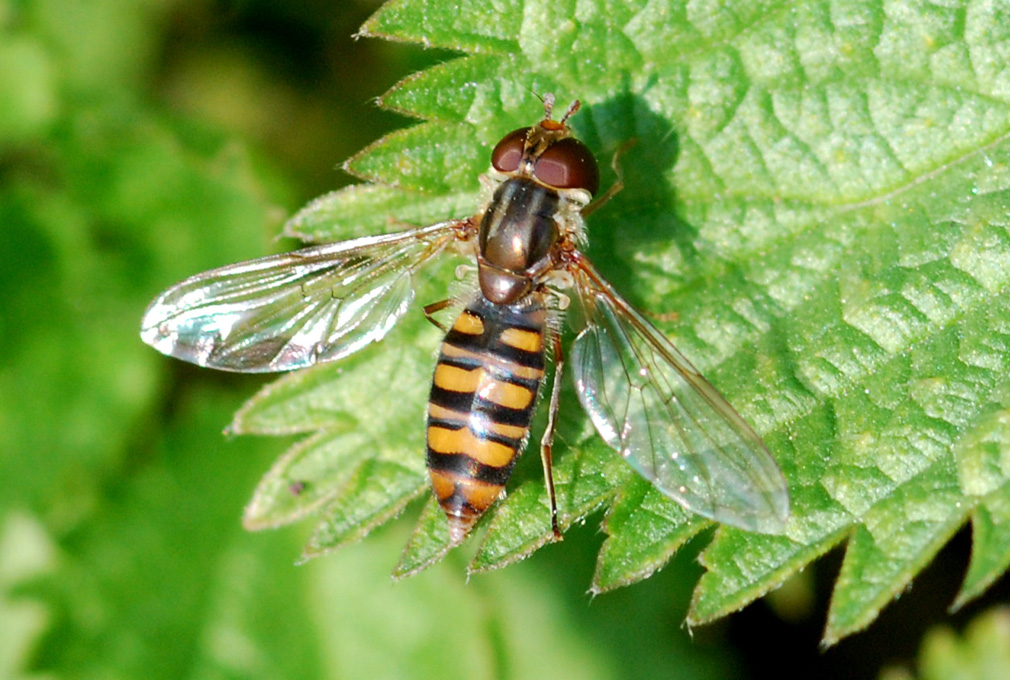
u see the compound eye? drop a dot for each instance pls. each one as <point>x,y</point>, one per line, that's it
<point>568,164</point>
<point>508,153</point>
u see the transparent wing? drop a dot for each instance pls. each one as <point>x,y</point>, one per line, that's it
<point>652,406</point>
<point>293,310</point>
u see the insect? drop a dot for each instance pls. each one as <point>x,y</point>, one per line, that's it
<point>322,303</point>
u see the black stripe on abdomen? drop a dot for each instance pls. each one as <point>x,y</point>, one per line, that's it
<point>483,396</point>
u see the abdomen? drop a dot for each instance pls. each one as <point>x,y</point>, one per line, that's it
<point>482,399</point>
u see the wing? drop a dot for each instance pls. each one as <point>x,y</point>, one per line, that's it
<point>293,310</point>
<point>652,406</point>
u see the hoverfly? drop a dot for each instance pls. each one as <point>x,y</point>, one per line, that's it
<point>322,303</point>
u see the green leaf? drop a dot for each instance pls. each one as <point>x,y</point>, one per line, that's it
<point>644,531</point>
<point>121,550</point>
<point>428,543</point>
<point>469,25</point>
<point>311,473</point>
<point>990,554</point>
<point>818,197</point>
<point>27,97</point>
<point>27,554</point>
<point>898,537</point>
<point>982,652</point>
<point>416,159</point>
<point>377,492</point>
<point>365,210</point>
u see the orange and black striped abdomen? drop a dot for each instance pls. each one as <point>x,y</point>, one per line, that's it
<point>482,399</point>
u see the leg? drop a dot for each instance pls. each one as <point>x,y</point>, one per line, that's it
<point>547,442</point>
<point>434,308</point>
<point>616,187</point>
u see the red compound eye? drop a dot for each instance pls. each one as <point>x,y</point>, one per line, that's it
<point>568,164</point>
<point>508,153</point>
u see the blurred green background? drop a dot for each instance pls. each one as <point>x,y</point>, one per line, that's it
<point>142,141</point>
